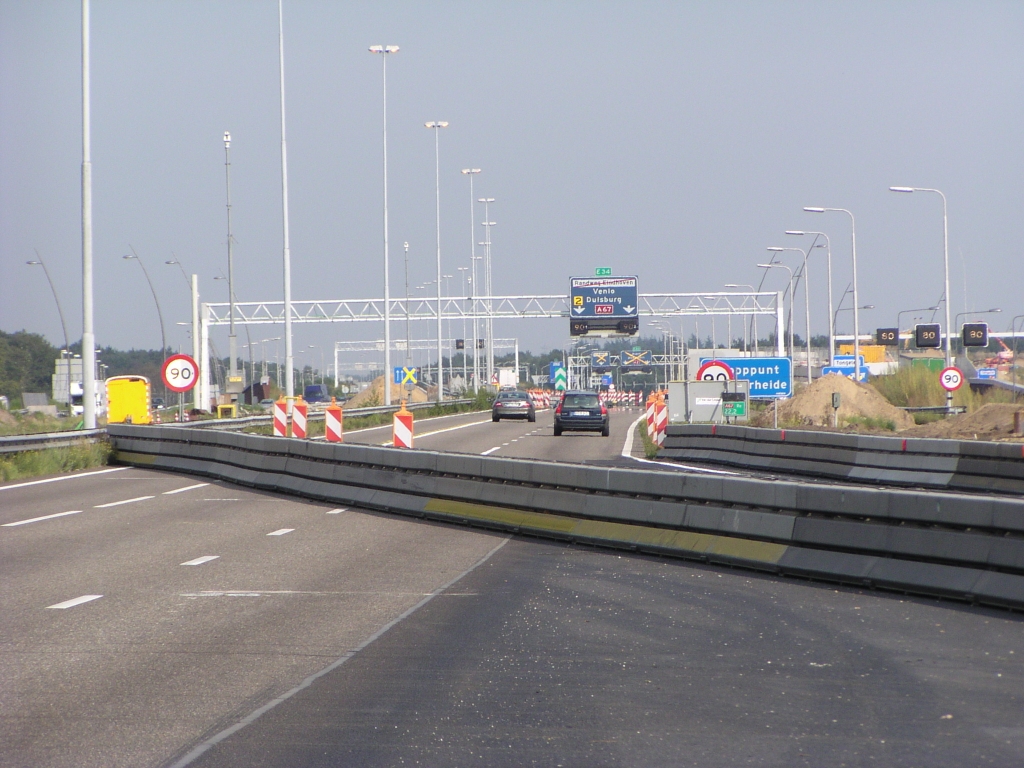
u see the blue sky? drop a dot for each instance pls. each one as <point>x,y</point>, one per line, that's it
<point>674,141</point>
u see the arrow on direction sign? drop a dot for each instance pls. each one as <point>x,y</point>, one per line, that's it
<point>579,310</point>
<point>629,309</point>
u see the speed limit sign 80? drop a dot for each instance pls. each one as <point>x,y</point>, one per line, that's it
<point>180,373</point>
<point>951,378</point>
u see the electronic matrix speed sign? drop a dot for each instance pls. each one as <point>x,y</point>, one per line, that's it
<point>975,334</point>
<point>928,336</point>
<point>887,337</point>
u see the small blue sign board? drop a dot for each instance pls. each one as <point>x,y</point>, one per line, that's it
<point>769,377</point>
<point>847,372</point>
<point>986,373</point>
<point>846,361</point>
<point>606,380</point>
<point>405,375</point>
<point>552,367</point>
<point>613,297</point>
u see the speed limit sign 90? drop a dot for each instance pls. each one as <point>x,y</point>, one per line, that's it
<point>715,370</point>
<point>180,373</point>
<point>951,378</point>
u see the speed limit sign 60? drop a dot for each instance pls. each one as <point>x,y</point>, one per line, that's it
<point>180,373</point>
<point>951,378</point>
<point>715,370</point>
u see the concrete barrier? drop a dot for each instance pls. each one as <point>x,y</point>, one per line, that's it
<point>943,544</point>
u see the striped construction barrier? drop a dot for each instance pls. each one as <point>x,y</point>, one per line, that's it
<point>281,418</point>
<point>402,429</point>
<point>333,425</point>
<point>650,415</point>
<point>299,412</point>
<point>660,421</point>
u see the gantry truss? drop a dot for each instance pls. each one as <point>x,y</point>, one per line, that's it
<point>666,305</point>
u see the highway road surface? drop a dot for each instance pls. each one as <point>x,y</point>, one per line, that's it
<point>156,619</point>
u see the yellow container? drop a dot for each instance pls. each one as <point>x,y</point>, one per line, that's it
<point>128,400</point>
<point>872,353</point>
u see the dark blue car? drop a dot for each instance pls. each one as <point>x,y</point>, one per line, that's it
<point>581,411</point>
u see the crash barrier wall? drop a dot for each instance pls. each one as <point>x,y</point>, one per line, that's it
<point>961,465</point>
<point>966,547</point>
<point>20,443</point>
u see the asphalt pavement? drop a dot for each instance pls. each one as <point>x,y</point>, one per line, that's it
<point>156,619</point>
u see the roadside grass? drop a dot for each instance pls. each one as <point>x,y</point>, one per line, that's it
<point>650,447</point>
<point>34,424</point>
<point>53,461</point>
<point>916,387</point>
<point>870,422</point>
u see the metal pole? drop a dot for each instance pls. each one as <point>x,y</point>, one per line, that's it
<point>88,337</point>
<point>408,337</point>
<point>384,50</point>
<point>437,125</point>
<point>232,340</point>
<point>196,391</point>
<point>465,348</point>
<point>856,298</point>
<point>289,359</point>
<point>159,313</point>
<point>471,172</point>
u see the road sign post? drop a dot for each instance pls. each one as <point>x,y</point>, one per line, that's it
<point>180,373</point>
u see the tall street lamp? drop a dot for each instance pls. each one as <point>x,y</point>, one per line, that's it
<point>856,314</point>
<point>287,251</point>
<point>945,263</point>
<point>471,172</point>
<point>488,288</point>
<point>773,265</point>
<point>436,125</point>
<point>384,50</point>
<point>232,341</point>
<point>39,261</point>
<point>88,336</point>
<point>465,349</point>
<point>163,338</point>
<point>746,340</point>
<point>807,301</point>
<point>828,251</point>
<point>476,351</point>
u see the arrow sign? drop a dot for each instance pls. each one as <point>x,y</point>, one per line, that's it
<point>606,297</point>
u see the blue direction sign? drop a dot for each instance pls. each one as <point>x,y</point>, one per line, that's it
<point>611,297</point>
<point>844,371</point>
<point>602,361</point>
<point>986,373</point>
<point>769,377</point>
<point>847,361</point>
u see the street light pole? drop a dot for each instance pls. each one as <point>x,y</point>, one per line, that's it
<point>476,351</point>
<point>384,50</point>
<point>945,262</point>
<point>856,314</point>
<point>232,339</point>
<point>408,337</point>
<point>471,172</point>
<point>88,336</point>
<point>831,324</point>
<point>489,322</point>
<point>39,260</point>
<point>773,265</point>
<point>807,302</point>
<point>159,313</point>
<point>436,125</point>
<point>465,349</point>
<point>746,338</point>
<point>289,359</point>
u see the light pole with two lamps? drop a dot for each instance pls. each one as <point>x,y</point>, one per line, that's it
<point>807,301</point>
<point>773,265</point>
<point>828,252</point>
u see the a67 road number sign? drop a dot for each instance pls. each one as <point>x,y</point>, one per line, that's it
<point>180,373</point>
<point>951,378</point>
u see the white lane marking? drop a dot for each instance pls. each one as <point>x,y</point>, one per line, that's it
<point>336,511</point>
<point>447,429</point>
<point>76,601</point>
<point>432,418</point>
<point>257,713</point>
<point>281,532</point>
<point>44,517</point>
<point>201,560</point>
<point>125,501</point>
<point>627,454</point>
<point>221,499</point>
<point>66,477</point>
<point>489,451</point>
<point>186,488</point>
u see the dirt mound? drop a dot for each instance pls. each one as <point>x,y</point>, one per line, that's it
<point>990,422</point>
<point>812,406</point>
<point>373,395</point>
<point>6,418</point>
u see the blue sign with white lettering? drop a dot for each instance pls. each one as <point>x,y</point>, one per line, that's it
<point>769,377</point>
<point>986,373</point>
<point>843,371</point>
<point>846,361</point>
<point>613,297</point>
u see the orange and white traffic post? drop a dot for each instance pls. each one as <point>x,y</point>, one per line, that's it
<point>333,422</point>
<point>281,418</point>
<point>402,431</point>
<point>660,420</point>
<point>299,411</point>
<point>650,415</point>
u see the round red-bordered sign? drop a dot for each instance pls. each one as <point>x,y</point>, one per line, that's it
<point>715,370</point>
<point>951,378</point>
<point>180,373</point>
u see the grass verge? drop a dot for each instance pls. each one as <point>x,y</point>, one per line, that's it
<point>650,447</point>
<point>53,461</point>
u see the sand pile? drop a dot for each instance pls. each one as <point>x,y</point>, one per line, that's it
<point>812,405</point>
<point>990,422</point>
<point>374,395</point>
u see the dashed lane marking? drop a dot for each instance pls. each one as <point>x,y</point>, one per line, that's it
<point>281,532</point>
<point>124,501</point>
<point>65,477</point>
<point>201,560</point>
<point>75,601</point>
<point>337,511</point>
<point>44,517</point>
<point>186,488</point>
<point>489,451</point>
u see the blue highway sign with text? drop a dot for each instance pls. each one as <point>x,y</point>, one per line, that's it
<point>611,297</point>
<point>769,377</point>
